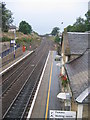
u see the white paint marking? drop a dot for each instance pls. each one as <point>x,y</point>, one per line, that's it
<point>15,63</point>
<point>32,105</point>
<point>32,65</point>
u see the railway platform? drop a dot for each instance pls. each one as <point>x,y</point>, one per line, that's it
<point>45,98</point>
<point>14,62</point>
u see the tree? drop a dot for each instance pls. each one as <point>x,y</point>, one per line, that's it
<point>70,28</point>
<point>80,25</point>
<point>6,17</point>
<point>79,21</point>
<point>57,39</point>
<point>25,28</point>
<point>55,31</point>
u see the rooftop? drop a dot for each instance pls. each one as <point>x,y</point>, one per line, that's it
<point>77,71</point>
<point>76,42</point>
<point>12,27</point>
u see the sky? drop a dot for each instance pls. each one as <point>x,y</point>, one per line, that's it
<point>44,15</point>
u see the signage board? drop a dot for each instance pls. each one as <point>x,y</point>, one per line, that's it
<point>15,46</point>
<point>62,114</point>
<point>12,41</point>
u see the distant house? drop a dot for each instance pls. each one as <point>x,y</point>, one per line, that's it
<point>75,61</point>
<point>12,28</point>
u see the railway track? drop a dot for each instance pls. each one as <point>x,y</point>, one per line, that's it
<point>16,67</point>
<point>25,92</point>
<point>20,103</point>
<point>21,79</point>
<point>12,78</point>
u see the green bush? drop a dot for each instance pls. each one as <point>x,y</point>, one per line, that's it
<point>64,83</point>
<point>5,39</point>
<point>57,39</point>
<point>25,28</point>
<point>24,41</point>
<point>27,40</point>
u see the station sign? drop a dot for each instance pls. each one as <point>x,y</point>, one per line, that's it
<point>12,41</point>
<point>62,114</point>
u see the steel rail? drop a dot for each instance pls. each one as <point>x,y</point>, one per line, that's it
<point>14,80</point>
<point>21,89</point>
<point>32,94</point>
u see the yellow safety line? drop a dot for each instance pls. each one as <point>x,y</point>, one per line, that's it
<point>48,92</point>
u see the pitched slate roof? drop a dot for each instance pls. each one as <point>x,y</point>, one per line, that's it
<point>77,71</point>
<point>78,42</point>
<point>12,27</point>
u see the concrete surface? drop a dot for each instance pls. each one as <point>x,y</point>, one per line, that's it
<point>40,107</point>
<point>15,61</point>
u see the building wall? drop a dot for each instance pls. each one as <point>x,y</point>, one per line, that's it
<point>64,58</point>
<point>73,105</point>
<point>11,30</point>
<point>62,52</point>
<point>85,111</point>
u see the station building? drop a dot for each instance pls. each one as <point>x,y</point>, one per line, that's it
<point>75,65</point>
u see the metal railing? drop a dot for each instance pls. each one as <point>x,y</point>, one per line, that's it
<point>8,51</point>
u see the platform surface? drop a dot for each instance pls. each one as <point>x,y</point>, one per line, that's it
<point>14,62</point>
<point>50,86</point>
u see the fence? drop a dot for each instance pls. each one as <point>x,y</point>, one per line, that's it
<point>8,51</point>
